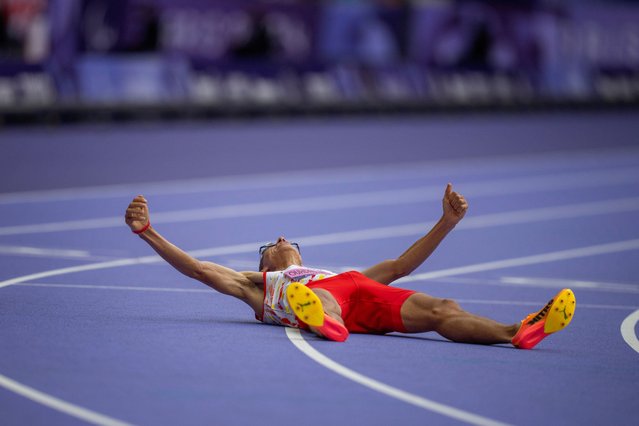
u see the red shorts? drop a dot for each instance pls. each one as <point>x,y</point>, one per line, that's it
<point>367,306</point>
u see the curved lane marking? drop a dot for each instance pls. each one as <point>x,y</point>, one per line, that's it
<point>628,330</point>
<point>359,199</point>
<point>59,404</point>
<point>296,338</point>
<point>96,418</point>
<point>73,410</point>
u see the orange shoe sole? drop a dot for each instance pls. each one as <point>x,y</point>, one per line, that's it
<point>308,309</point>
<point>559,312</point>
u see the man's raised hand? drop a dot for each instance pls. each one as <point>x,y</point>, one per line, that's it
<point>455,205</point>
<point>137,215</point>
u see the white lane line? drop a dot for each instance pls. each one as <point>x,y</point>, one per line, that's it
<point>211,291</point>
<point>45,252</point>
<point>154,259</point>
<point>298,205</point>
<point>541,283</point>
<point>539,304</point>
<point>81,268</point>
<point>628,330</point>
<point>554,256</point>
<point>476,222</point>
<point>117,287</point>
<point>296,338</point>
<point>563,283</point>
<point>389,172</point>
<point>59,404</point>
<point>557,182</point>
<point>490,220</point>
<point>62,405</point>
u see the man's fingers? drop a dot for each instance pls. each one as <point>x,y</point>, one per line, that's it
<point>137,205</point>
<point>458,202</point>
<point>455,204</point>
<point>455,197</point>
<point>130,220</point>
<point>135,210</point>
<point>449,189</point>
<point>135,215</point>
<point>461,208</point>
<point>458,206</point>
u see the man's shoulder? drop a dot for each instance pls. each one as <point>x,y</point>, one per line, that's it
<point>254,277</point>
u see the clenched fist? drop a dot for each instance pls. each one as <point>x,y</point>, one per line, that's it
<point>137,215</point>
<point>455,205</point>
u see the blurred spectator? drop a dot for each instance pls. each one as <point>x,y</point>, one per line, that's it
<point>259,42</point>
<point>119,26</point>
<point>473,37</point>
<point>368,32</point>
<point>24,32</point>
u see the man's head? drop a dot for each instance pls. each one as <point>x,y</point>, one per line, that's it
<point>279,255</point>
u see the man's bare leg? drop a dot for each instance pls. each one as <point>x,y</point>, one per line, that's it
<point>319,310</point>
<point>331,308</point>
<point>422,313</point>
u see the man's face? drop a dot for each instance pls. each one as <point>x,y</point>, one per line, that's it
<point>280,255</point>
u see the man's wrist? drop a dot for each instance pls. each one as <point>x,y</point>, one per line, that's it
<point>448,222</point>
<point>143,229</point>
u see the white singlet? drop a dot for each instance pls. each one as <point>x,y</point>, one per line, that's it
<point>276,307</point>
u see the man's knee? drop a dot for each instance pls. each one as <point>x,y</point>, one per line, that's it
<point>444,308</point>
<point>422,313</point>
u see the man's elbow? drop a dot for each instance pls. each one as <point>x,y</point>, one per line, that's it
<point>392,271</point>
<point>401,270</point>
<point>196,271</point>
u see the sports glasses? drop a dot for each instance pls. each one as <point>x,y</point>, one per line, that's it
<point>269,245</point>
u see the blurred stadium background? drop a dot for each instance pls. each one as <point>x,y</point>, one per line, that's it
<point>365,109</point>
<point>78,60</point>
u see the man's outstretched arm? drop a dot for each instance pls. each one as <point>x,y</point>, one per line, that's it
<point>455,207</point>
<point>218,277</point>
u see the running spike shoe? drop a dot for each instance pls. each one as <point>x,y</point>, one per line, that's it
<point>553,317</point>
<point>309,310</point>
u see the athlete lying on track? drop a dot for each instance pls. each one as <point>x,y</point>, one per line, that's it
<point>334,305</point>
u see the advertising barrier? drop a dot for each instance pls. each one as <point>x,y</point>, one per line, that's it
<point>296,53</point>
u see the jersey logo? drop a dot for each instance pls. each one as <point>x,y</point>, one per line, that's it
<point>294,274</point>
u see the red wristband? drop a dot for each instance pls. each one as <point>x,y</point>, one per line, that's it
<point>144,228</point>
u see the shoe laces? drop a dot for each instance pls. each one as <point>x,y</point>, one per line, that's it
<point>541,314</point>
